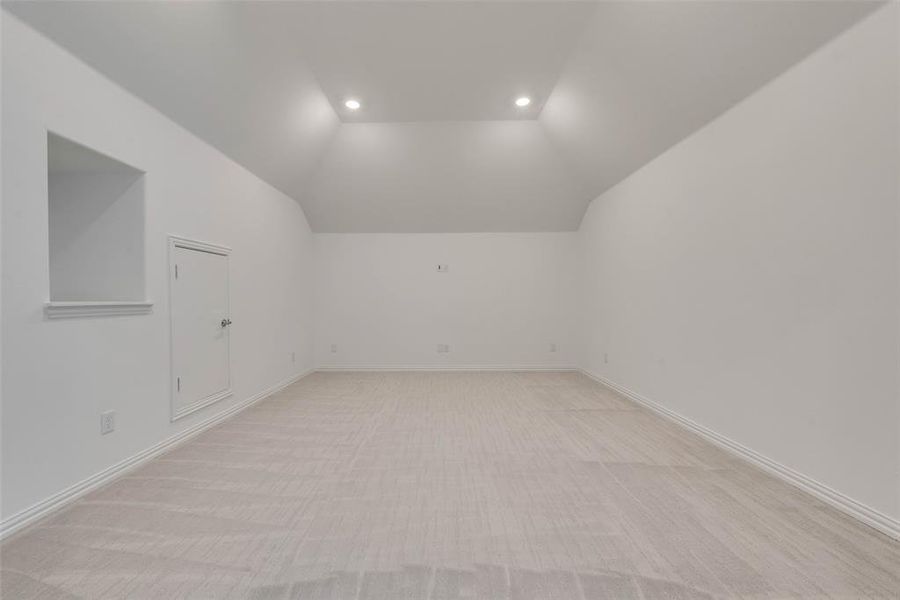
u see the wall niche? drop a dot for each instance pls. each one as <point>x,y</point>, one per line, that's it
<point>96,226</point>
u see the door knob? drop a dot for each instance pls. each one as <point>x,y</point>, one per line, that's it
<point>226,322</point>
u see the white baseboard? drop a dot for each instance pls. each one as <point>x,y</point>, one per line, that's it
<point>849,506</point>
<point>368,367</point>
<point>871,517</point>
<point>61,499</point>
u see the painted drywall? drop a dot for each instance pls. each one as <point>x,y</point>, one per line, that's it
<point>505,298</point>
<point>96,239</point>
<point>747,279</point>
<point>96,225</point>
<point>644,75</point>
<point>59,375</point>
<point>263,81</point>
<point>477,176</point>
<point>234,73</point>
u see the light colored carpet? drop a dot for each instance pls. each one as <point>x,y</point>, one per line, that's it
<point>497,486</point>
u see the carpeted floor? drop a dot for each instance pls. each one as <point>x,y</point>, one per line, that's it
<point>448,485</point>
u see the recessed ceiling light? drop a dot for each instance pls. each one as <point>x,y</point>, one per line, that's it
<point>523,101</point>
<point>352,104</point>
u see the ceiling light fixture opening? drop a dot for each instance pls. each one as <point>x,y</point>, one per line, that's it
<point>523,101</point>
<point>352,104</point>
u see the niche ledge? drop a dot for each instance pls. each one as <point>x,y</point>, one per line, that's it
<point>73,310</point>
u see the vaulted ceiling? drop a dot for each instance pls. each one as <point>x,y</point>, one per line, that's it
<point>438,144</point>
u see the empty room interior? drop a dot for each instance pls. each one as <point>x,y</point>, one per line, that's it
<point>438,300</point>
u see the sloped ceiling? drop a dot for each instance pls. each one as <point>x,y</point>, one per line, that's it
<point>438,144</point>
<point>647,74</point>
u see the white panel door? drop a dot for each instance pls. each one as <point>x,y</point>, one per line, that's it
<point>200,325</point>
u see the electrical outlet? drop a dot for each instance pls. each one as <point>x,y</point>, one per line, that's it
<point>334,348</point>
<point>107,422</point>
<point>553,347</point>
<point>443,348</point>
<point>443,268</point>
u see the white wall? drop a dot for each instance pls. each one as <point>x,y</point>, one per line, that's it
<point>747,279</point>
<point>59,375</point>
<point>433,177</point>
<point>504,300</point>
<point>96,239</point>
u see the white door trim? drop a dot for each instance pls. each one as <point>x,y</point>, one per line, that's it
<point>176,241</point>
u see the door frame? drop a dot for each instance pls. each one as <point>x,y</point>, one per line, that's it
<point>174,242</point>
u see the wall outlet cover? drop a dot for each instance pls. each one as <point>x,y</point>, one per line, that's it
<point>107,422</point>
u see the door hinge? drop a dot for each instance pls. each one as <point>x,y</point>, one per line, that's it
<point>178,383</point>
<point>176,271</point>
